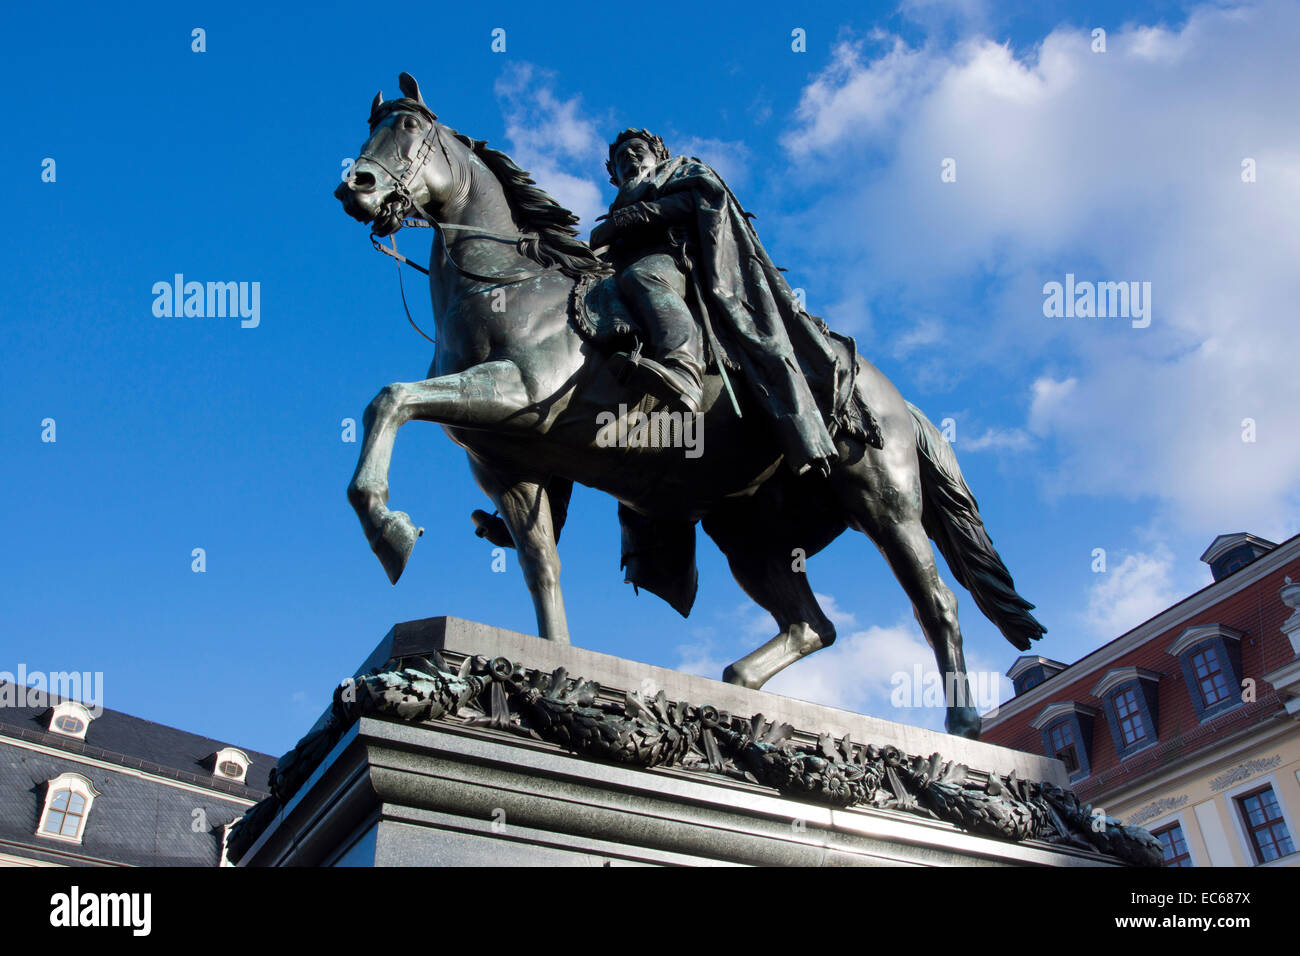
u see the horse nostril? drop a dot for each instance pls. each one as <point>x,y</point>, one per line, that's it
<point>361,181</point>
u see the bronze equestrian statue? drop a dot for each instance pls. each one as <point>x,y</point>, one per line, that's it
<point>536,348</point>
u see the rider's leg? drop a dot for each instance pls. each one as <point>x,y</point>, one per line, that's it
<point>656,290</point>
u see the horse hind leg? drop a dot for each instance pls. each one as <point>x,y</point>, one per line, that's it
<point>526,510</point>
<point>905,545</point>
<point>776,582</point>
<point>910,555</point>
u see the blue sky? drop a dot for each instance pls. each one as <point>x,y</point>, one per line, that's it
<point>1075,434</point>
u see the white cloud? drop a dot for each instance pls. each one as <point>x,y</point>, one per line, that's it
<point>831,608</point>
<point>997,439</point>
<point>1130,593</point>
<point>1122,166</point>
<point>859,672</point>
<point>935,13</point>
<point>729,157</point>
<point>854,673</point>
<point>924,332</point>
<point>1048,397</point>
<point>863,672</point>
<point>851,98</point>
<point>554,140</point>
<point>701,659</point>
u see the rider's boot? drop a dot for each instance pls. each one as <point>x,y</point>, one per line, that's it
<point>492,527</point>
<point>676,384</point>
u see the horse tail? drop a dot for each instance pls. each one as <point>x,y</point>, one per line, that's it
<point>951,517</point>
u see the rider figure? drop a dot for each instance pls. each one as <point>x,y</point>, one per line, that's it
<point>648,236</point>
<point>677,235</point>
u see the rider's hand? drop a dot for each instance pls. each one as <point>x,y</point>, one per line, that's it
<point>629,217</point>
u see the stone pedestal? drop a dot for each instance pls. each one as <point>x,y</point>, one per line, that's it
<point>459,792</point>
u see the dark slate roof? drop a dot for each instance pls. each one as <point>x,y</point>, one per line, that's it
<point>134,821</point>
<point>129,741</point>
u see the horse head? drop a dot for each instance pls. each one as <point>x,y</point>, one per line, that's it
<point>404,164</point>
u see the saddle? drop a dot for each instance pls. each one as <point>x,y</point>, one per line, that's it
<point>600,315</point>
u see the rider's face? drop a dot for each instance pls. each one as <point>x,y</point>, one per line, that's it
<point>633,160</point>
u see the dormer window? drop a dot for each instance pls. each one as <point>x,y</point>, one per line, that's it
<point>1031,670</point>
<point>1232,552</point>
<point>67,724</point>
<point>231,764</point>
<point>1130,717</point>
<point>1061,740</point>
<point>70,719</point>
<point>1210,655</point>
<point>1067,736</point>
<point>1130,697</point>
<point>68,798</point>
<point>1209,676</point>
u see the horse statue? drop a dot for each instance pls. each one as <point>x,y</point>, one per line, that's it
<point>520,385</point>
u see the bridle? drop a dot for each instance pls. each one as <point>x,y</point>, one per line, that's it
<point>402,192</point>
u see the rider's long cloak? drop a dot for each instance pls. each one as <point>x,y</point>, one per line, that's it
<point>788,358</point>
<point>798,372</point>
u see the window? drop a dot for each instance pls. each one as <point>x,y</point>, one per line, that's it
<point>1210,655</point>
<point>1235,563</point>
<point>68,798</point>
<point>231,763</point>
<point>1175,846</point>
<point>1132,697</point>
<point>1066,728</point>
<point>1232,552</point>
<point>1263,818</point>
<point>1209,676</point>
<point>1030,670</point>
<point>67,810</point>
<point>70,719</point>
<point>1063,746</point>
<point>1130,716</point>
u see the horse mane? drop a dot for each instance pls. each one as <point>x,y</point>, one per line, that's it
<point>557,242</point>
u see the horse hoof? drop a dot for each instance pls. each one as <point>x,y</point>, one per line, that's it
<point>493,528</point>
<point>733,675</point>
<point>397,536</point>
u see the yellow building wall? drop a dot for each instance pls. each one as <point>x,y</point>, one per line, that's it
<point>1212,822</point>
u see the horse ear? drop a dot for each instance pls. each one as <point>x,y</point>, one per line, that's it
<point>410,88</point>
<point>377,102</point>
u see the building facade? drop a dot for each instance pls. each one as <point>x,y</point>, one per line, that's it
<point>80,786</point>
<point>1189,724</point>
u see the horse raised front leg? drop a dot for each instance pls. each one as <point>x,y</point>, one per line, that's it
<point>489,394</point>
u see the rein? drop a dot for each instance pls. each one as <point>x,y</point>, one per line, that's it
<point>428,221</point>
